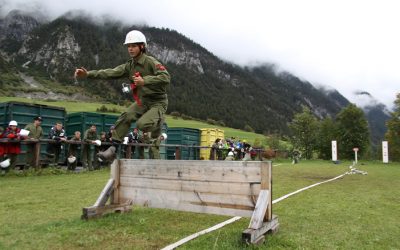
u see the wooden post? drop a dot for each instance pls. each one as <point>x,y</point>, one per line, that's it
<point>177,153</point>
<point>214,153</point>
<point>115,175</point>
<point>128,152</point>
<point>266,184</point>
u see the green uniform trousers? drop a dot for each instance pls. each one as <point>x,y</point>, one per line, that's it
<point>149,118</point>
<point>155,149</point>
<point>155,152</point>
<point>88,157</point>
<point>30,160</point>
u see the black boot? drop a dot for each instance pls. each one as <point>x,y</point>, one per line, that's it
<point>110,153</point>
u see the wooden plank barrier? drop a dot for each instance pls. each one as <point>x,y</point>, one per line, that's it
<point>235,188</point>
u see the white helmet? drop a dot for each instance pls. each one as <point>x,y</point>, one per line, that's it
<point>13,123</point>
<point>71,159</point>
<point>135,36</point>
<point>164,135</point>
<point>5,163</point>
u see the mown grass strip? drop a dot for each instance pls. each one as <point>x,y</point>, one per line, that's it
<point>356,212</point>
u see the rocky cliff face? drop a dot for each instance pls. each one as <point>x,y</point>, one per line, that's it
<point>185,57</point>
<point>16,26</point>
<point>61,53</point>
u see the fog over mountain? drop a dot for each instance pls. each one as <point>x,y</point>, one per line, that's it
<point>359,50</point>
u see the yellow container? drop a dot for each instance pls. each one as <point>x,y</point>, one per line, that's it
<point>207,138</point>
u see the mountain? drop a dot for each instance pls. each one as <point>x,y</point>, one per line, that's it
<point>377,114</point>
<point>15,28</point>
<point>203,86</point>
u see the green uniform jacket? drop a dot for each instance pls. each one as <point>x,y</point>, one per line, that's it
<point>90,136</point>
<point>155,75</point>
<point>35,132</point>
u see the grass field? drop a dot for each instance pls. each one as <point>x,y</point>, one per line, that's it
<point>355,212</point>
<point>74,106</point>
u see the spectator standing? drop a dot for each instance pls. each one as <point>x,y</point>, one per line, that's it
<point>134,137</point>
<point>155,149</point>
<point>142,149</point>
<point>110,133</point>
<point>246,147</point>
<point>58,134</point>
<point>35,132</point>
<point>89,148</point>
<point>214,153</point>
<point>103,138</point>
<point>13,148</point>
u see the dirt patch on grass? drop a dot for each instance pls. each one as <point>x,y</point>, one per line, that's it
<point>316,177</point>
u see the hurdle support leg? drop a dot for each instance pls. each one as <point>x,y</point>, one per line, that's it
<point>257,236</point>
<point>262,220</point>
<point>259,223</point>
<point>109,193</point>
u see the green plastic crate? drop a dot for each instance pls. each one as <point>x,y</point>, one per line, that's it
<point>184,136</point>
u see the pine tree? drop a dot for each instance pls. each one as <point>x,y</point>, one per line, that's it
<point>353,132</point>
<point>304,127</point>
<point>327,133</point>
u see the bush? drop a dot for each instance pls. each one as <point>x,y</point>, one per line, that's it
<point>211,121</point>
<point>221,123</point>
<point>104,109</point>
<point>248,128</point>
<point>175,114</point>
<point>186,117</point>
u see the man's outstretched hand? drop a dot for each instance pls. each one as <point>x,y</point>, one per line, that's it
<point>80,73</point>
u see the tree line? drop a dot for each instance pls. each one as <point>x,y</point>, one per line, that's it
<point>313,137</point>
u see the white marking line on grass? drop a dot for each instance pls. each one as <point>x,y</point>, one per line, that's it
<point>195,235</point>
<point>305,188</point>
<point>190,237</point>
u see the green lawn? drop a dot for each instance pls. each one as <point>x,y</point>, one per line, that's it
<point>70,106</point>
<point>355,212</point>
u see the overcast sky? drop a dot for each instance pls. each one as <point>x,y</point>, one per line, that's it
<point>348,45</point>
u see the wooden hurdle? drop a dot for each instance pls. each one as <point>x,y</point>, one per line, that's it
<point>234,188</point>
